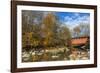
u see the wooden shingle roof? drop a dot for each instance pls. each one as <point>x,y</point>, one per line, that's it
<point>79,41</point>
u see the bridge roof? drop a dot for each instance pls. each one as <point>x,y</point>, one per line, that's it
<point>79,41</point>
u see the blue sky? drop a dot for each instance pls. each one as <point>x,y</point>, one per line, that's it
<point>73,19</point>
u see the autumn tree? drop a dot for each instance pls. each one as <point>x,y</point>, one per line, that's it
<point>49,28</point>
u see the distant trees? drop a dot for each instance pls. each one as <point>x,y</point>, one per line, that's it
<point>82,29</point>
<point>85,29</point>
<point>76,31</point>
<point>47,32</point>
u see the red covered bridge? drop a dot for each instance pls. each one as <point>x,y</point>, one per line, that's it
<point>80,42</point>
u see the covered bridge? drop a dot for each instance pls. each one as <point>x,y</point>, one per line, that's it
<point>80,42</point>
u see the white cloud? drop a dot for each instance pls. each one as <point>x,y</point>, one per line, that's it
<point>67,18</point>
<point>76,19</point>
